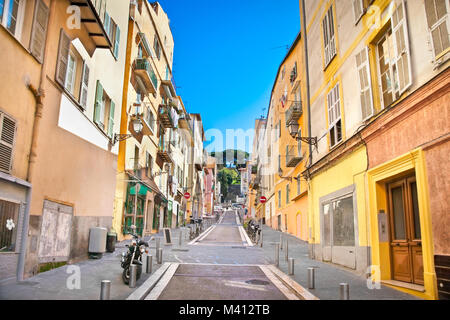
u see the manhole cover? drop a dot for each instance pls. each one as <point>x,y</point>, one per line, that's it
<point>180,250</point>
<point>257,282</point>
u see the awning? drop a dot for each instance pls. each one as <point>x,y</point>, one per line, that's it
<point>142,190</point>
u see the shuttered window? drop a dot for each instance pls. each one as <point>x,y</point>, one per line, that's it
<point>329,36</point>
<point>63,58</point>
<point>334,116</point>
<point>7,137</point>
<point>401,45</point>
<point>437,12</point>
<point>84,86</point>
<point>98,104</point>
<point>362,65</point>
<point>358,9</point>
<point>111,119</point>
<point>117,42</point>
<point>39,31</point>
<point>2,7</point>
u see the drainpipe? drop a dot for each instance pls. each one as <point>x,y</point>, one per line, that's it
<point>308,97</point>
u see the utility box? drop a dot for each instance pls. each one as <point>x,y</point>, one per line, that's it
<point>97,241</point>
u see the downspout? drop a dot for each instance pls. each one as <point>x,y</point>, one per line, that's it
<point>308,97</point>
<point>39,95</point>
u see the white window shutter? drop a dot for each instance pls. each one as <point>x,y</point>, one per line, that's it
<point>39,31</point>
<point>84,86</point>
<point>366,98</point>
<point>7,137</point>
<point>358,9</point>
<point>63,58</point>
<point>438,18</point>
<point>401,44</point>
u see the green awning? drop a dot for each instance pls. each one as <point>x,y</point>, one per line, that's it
<point>142,190</point>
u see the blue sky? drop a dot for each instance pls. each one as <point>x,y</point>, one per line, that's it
<point>227,54</point>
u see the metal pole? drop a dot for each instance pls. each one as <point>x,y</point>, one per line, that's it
<point>261,239</point>
<point>160,253</point>
<point>287,250</point>
<point>105,290</point>
<point>149,263</point>
<point>311,280</point>
<point>281,242</point>
<point>158,244</point>
<point>291,266</point>
<point>277,254</point>
<point>181,238</point>
<point>133,273</point>
<point>344,291</point>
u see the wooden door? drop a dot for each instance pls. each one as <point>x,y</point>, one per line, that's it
<point>406,244</point>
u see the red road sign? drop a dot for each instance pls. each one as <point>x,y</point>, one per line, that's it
<point>263,199</point>
<point>187,195</point>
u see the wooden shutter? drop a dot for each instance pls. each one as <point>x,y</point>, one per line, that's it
<point>117,42</point>
<point>7,137</point>
<point>401,44</point>
<point>358,9</point>
<point>328,36</point>
<point>362,64</point>
<point>438,24</point>
<point>98,103</point>
<point>107,23</point>
<point>39,31</point>
<point>84,86</point>
<point>63,57</point>
<point>111,119</point>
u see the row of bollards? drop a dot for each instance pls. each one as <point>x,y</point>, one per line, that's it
<point>344,288</point>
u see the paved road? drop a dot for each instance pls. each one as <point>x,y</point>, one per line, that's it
<point>238,280</point>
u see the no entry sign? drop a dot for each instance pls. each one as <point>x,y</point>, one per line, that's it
<point>187,195</point>
<point>263,199</point>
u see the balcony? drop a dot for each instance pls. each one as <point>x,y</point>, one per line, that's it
<point>256,182</point>
<point>294,113</point>
<point>169,88</point>
<point>183,122</point>
<point>92,13</point>
<point>165,117</point>
<point>164,152</point>
<point>144,71</point>
<point>293,158</point>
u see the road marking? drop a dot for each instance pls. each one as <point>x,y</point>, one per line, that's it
<point>149,284</point>
<point>243,285</point>
<point>176,257</point>
<point>162,284</point>
<point>204,234</point>
<point>245,238</point>
<point>284,289</point>
<point>305,294</point>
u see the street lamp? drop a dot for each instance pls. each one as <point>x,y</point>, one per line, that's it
<point>293,131</point>
<point>137,128</point>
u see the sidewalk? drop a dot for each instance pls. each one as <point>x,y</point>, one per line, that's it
<point>327,276</point>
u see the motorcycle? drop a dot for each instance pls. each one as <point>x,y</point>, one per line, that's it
<point>134,254</point>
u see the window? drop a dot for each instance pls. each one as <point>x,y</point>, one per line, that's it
<point>334,116</point>
<point>9,225</point>
<point>287,154</point>
<point>72,72</point>
<point>394,62</point>
<point>104,111</point>
<point>113,31</point>
<point>287,193</point>
<point>298,184</point>
<point>362,64</point>
<point>149,165</point>
<point>283,72</point>
<point>157,47</point>
<point>439,24</point>
<point>7,137</point>
<point>150,118</point>
<point>360,8</point>
<point>293,74</point>
<point>299,143</point>
<point>11,15</point>
<point>329,36</point>
<point>279,199</point>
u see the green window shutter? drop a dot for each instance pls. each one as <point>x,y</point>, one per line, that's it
<point>111,120</point>
<point>98,102</point>
<point>107,24</point>
<point>117,43</point>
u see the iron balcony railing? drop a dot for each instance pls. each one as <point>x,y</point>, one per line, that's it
<point>144,65</point>
<point>294,113</point>
<point>293,157</point>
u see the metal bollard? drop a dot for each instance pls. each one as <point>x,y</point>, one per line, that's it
<point>181,238</point>
<point>291,266</point>
<point>160,253</point>
<point>158,243</point>
<point>148,264</point>
<point>311,280</point>
<point>105,290</point>
<point>277,254</point>
<point>344,291</point>
<point>133,273</point>
<point>287,251</point>
<point>261,239</point>
<point>281,242</point>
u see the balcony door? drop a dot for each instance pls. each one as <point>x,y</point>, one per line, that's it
<point>405,231</point>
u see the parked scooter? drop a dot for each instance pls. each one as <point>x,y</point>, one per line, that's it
<point>133,255</point>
